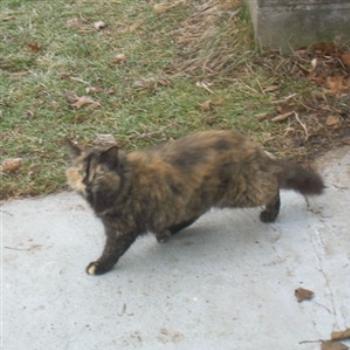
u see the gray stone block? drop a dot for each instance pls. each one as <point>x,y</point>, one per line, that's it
<point>286,24</point>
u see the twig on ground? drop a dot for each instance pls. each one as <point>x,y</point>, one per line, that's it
<point>303,126</point>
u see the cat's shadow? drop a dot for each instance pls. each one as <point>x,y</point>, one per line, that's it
<point>203,241</point>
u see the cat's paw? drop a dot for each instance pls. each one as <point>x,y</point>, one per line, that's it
<point>96,268</point>
<point>163,236</point>
<point>268,216</point>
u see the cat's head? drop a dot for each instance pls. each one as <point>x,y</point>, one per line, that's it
<point>96,173</point>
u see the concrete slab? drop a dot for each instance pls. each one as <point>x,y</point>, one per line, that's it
<point>226,283</point>
<point>286,24</point>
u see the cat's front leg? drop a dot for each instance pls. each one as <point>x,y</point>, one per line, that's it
<point>116,245</point>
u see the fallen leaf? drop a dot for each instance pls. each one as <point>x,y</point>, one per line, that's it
<point>263,116</point>
<point>70,96</point>
<point>161,8</point>
<point>164,82</point>
<point>74,23</point>
<point>166,6</point>
<point>11,165</point>
<point>151,83</point>
<point>283,116</point>
<point>93,89</point>
<point>271,88</point>
<point>19,74</point>
<point>206,106</point>
<point>119,58</point>
<point>8,18</point>
<point>110,91</point>
<point>136,25</point>
<point>336,84</point>
<point>341,335</point>
<point>145,83</point>
<point>331,345</point>
<point>333,121</point>
<point>205,85</point>
<point>314,63</point>
<point>325,48</point>
<point>346,141</point>
<point>303,294</point>
<point>34,47</point>
<point>84,101</point>
<point>345,57</point>
<point>210,104</point>
<point>100,25</point>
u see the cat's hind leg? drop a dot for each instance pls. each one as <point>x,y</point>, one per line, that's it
<point>182,225</point>
<point>270,213</point>
<point>163,236</point>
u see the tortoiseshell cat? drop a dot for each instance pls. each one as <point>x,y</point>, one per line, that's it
<point>167,188</point>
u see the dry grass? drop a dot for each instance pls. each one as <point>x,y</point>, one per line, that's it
<point>158,70</point>
<point>214,40</point>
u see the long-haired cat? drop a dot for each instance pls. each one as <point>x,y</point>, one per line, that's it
<point>167,188</point>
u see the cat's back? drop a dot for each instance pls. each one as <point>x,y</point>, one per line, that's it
<point>197,154</point>
<point>204,145</point>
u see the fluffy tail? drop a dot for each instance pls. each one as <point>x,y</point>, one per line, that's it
<point>295,177</point>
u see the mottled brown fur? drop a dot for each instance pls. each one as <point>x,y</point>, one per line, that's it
<point>165,189</point>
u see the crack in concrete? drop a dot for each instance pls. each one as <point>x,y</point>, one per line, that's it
<point>319,244</point>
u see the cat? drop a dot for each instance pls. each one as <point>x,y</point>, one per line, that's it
<point>166,188</point>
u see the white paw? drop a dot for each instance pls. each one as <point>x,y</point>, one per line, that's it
<point>91,269</point>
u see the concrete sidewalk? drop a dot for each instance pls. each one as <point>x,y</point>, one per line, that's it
<point>226,283</point>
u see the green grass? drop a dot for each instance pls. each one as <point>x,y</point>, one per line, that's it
<point>35,116</point>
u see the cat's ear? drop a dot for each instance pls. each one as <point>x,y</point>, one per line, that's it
<point>112,157</point>
<point>74,148</point>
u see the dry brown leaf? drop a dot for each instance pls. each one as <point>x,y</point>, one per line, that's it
<point>206,106</point>
<point>100,25</point>
<point>166,6</point>
<point>136,25</point>
<point>345,57</point>
<point>283,116</point>
<point>314,63</point>
<point>271,88</point>
<point>8,18</point>
<point>11,165</point>
<point>119,58</point>
<point>205,85</point>
<point>34,47</point>
<point>84,101</point>
<point>331,345</point>
<point>333,121</point>
<point>263,116</point>
<point>93,89</point>
<point>74,23</point>
<point>336,84</point>
<point>164,82</point>
<point>145,83</point>
<point>341,335</point>
<point>70,96</point>
<point>110,91</point>
<point>210,104</point>
<point>303,294</point>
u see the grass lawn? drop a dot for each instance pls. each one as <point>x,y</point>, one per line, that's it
<point>136,72</point>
